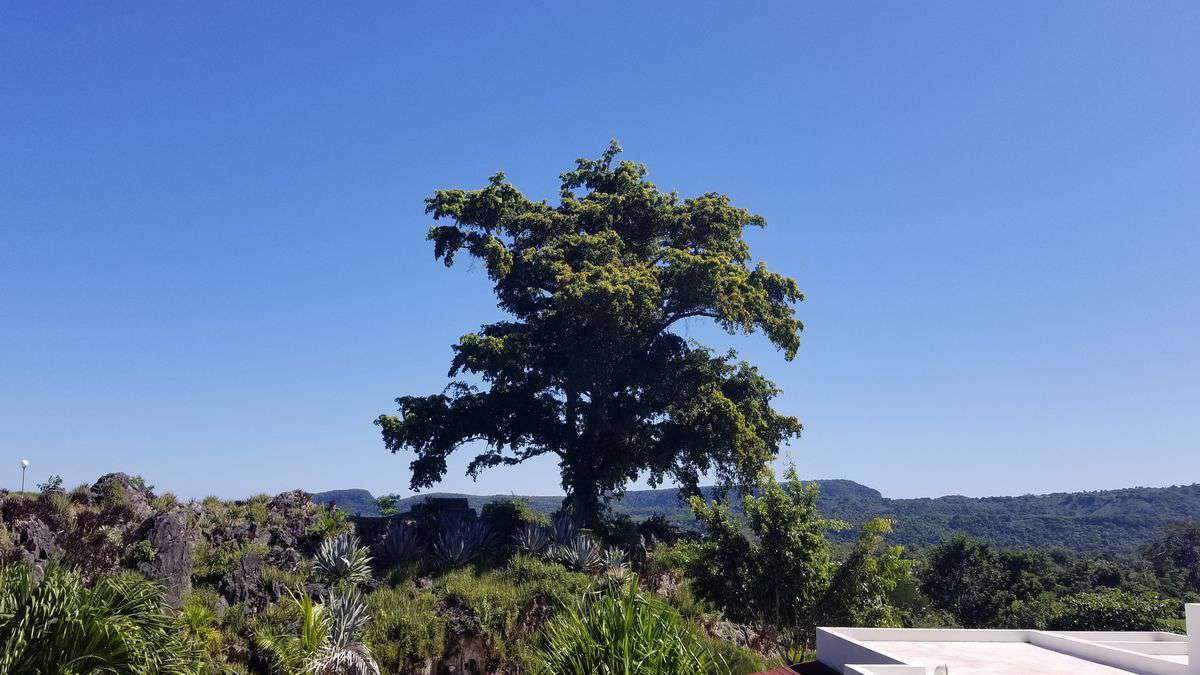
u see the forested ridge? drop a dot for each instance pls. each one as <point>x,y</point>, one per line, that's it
<point>1102,521</point>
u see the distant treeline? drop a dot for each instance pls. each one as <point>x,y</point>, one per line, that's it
<point>1107,521</point>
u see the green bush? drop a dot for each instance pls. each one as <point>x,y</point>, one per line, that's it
<point>505,516</point>
<point>405,629</point>
<point>1104,610</point>
<point>620,630</point>
<point>120,625</point>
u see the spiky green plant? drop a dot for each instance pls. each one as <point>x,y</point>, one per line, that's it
<point>459,542</point>
<point>619,630</point>
<point>342,653</point>
<point>401,543</point>
<point>531,538</point>
<point>565,529</point>
<point>581,554</point>
<point>613,561</point>
<point>342,559</point>
<point>57,625</point>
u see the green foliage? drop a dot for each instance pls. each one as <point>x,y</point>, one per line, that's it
<point>330,522</point>
<point>142,551</point>
<point>592,367</point>
<point>620,630</point>
<point>53,484</point>
<point>507,516</point>
<point>211,563</point>
<point>783,578</point>
<point>164,501</point>
<point>405,629</point>
<point>294,636</point>
<point>57,625</point>
<point>341,559</point>
<point>861,590</point>
<point>60,504</point>
<point>984,586</point>
<point>388,505</point>
<point>1103,611</point>
<point>198,618</point>
<point>114,496</point>
<point>1175,556</point>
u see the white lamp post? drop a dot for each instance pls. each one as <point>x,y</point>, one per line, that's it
<point>24,465</point>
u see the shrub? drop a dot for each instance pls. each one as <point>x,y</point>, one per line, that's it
<point>211,563</point>
<point>405,630</point>
<point>341,559</point>
<point>52,485</point>
<point>142,551</point>
<point>508,516</point>
<point>620,630</point>
<point>164,501</point>
<point>330,522</point>
<point>57,625</point>
<point>114,496</point>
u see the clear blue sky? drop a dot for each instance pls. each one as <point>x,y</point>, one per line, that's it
<point>213,269</point>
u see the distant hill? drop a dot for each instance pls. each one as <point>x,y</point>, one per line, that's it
<point>1109,521</point>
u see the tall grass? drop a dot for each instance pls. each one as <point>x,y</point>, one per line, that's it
<point>620,631</point>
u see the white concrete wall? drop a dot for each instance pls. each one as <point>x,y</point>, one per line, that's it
<point>837,650</point>
<point>1192,615</point>
<point>1107,654</point>
<point>854,669</point>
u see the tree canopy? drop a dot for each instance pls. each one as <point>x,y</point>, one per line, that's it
<point>590,366</point>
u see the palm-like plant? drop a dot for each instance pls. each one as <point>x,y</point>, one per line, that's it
<point>458,542</point>
<point>531,538</point>
<point>120,625</point>
<point>619,630</point>
<point>341,558</point>
<point>290,653</point>
<point>401,543</point>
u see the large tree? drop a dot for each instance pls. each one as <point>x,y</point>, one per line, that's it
<point>590,367</point>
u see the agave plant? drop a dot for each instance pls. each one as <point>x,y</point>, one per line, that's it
<point>458,542</point>
<point>531,538</point>
<point>401,542</point>
<point>341,558</point>
<point>582,554</point>
<point>565,529</point>
<point>342,653</point>
<point>613,561</point>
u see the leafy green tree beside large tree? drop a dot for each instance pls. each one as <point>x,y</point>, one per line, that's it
<point>591,367</point>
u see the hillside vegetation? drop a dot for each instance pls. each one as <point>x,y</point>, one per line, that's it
<point>1105,521</point>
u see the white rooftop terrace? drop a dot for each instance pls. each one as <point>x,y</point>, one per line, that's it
<point>919,651</point>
